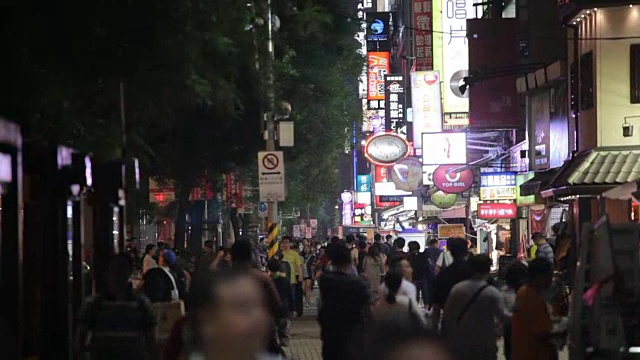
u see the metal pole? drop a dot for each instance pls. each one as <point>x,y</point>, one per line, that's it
<point>269,116</point>
<point>123,120</point>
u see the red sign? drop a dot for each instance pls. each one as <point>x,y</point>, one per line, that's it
<point>385,204</point>
<point>379,66</point>
<point>452,182</point>
<point>234,191</point>
<point>497,211</point>
<point>204,191</point>
<point>423,24</point>
<point>382,174</point>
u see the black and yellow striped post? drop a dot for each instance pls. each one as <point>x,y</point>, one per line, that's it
<point>273,240</point>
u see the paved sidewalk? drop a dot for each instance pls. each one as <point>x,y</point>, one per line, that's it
<point>305,337</point>
<point>306,345</point>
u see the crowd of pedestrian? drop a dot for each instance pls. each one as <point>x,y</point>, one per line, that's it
<point>380,298</point>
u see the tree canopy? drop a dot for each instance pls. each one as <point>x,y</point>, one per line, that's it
<point>192,93</point>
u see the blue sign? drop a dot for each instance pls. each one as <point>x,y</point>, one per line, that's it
<point>500,179</point>
<point>363,182</point>
<point>262,207</point>
<point>377,26</point>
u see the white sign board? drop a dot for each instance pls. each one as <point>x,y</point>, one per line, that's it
<point>426,102</point>
<point>296,231</point>
<point>271,175</point>
<point>455,52</point>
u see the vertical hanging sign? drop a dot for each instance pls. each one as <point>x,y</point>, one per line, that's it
<point>423,25</point>
<point>394,110</point>
<point>378,68</point>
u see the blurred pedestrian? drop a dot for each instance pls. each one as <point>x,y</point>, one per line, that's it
<point>149,262</point>
<point>532,328</point>
<point>117,324</point>
<point>470,313</point>
<point>344,309</point>
<point>295,262</point>
<point>160,283</point>
<point>516,277</point>
<point>392,337</point>
<point>396,302</point>
<point>407,288</point>
<point>231,318</point>
<point>309,258</point>
<point>373,267</point>
<point>207,257</point>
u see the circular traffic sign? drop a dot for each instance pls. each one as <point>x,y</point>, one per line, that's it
<point>270,161</point>
<point>262,207</point>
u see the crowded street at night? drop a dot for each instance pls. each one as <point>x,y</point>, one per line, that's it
<point>320,180</point>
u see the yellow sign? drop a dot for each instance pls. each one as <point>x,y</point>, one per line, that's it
<point>446,231</point>
<point>498,193</point>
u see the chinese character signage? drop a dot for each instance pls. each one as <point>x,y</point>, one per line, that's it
<point>347,208</point>
<point>363,182</point>
<point>498,186</point>
<point>426,102</point>
<point>378,31</point>
<point>379,66</point>
<point>490,211</point>
<point>455,52</point>
<point>423,24</point>
<point>446,231</point>
<point>394,107</point>
<point>372,120</point>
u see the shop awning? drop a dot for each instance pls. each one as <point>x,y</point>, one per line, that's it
<point>540,181</point>
<point>595,171</point>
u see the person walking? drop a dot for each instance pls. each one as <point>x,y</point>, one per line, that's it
<point>309,258</point>
<point>396,302</point>
<point>516,277</point>
<point>544,249</point>
<point>470,313</point>
<point>294,260</point>
<point>160,283</point>
<point>149,261</point>
<point>373,267</point>
<point>344,309</point>
<point>532,328</point>
<point>420,268</point>
<point>117,324</point>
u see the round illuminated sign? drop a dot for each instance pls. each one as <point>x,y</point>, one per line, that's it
<point>406,174</point>
<point>452,182</point>
<point>385,149</point>
<point>443,200</point>
<point>346,197</point>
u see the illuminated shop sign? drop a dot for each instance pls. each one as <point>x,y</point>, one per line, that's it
<point>492,211</point>
<point>426,104</point>
<point>385,149</point>
<point>444,148</point>
<point>378,68</point>
<point>498,186</point>
<point>394,110</point>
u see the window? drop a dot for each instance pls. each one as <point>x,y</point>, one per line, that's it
<point>586,81</point>
<point>635,74</point>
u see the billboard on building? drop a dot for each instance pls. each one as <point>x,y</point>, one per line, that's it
<point>378,68</point>
<point>493,97</point>
<point>444,148</point>
<point>455,52</point>
<point>540,127</point>
<point>423,28</point>
<point>394,110</point>
<point>426,104</point>
<point>378,31</point>
<point>372,120</point>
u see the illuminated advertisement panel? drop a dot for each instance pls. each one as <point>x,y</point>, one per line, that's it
<point>444,148</point>
<point>423,23</point>
<point>455,52</point>
<point>426,103</point>
<point>498,186</point>
<point>378,67</point>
